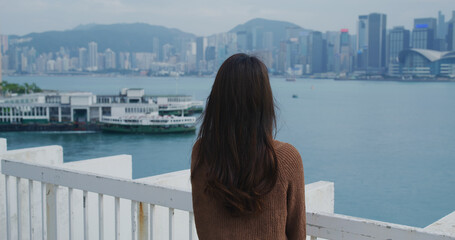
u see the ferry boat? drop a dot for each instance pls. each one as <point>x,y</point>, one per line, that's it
<point>148,123</point>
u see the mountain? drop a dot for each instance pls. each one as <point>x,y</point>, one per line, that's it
<point>278,28</point>
<point>135,37</point>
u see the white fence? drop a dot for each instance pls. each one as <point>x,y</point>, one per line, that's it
<point>43,198</point>
<point>145,197</point>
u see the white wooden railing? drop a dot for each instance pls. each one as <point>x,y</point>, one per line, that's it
<point>145,197</point>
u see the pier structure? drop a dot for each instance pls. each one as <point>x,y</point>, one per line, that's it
<point>42,197</point>
<point>86,107</point>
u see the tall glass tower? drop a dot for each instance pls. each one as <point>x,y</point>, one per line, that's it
<point>377,23</point>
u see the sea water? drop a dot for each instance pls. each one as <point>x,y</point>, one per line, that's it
<point>389,147</point>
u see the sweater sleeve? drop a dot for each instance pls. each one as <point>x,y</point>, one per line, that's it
<point>296,215</point>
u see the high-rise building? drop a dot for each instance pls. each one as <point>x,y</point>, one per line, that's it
<point>1,65</point>
<point>83,57</point>
<point>92,56</point>
<point>424,33</point>
<point>3,43</point>
<point>362,42</point>
<point>399,39</point>
<point>267,41</point>
<point>109,61</point>
<point>345,51</point>
<point>376,42</point>
<point>442,27</point>
<point>124,60</point>
<point>242,41</point>
<point>292,54</point>
<point>315,49</point>
<point>201,45</point>
<point>451,33</point>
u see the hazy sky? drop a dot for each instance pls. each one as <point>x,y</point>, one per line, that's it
<point>205,17</point>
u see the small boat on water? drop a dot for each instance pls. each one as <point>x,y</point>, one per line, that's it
<point>149,123</point>
<point>295,96</point>
<point>290,79</point>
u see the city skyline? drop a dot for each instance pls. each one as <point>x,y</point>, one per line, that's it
<point>223,17</point>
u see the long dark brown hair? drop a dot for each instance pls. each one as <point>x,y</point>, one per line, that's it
<point>235,141</point>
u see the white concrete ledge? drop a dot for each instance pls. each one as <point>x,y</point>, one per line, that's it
<point>445,225</point>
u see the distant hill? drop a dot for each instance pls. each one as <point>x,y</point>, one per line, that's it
<point>278,28</point>
<point>135,37</point>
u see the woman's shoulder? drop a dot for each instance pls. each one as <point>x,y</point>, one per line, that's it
<point>290,161</point>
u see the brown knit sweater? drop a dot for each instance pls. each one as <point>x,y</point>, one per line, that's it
<point>283,215</point>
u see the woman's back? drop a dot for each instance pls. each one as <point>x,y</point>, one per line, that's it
<point>282,215</point>
<point>246,185</point>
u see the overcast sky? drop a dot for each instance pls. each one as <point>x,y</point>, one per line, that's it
<point>206,17</point>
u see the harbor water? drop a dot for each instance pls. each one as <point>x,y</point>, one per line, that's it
<point>389,147</point>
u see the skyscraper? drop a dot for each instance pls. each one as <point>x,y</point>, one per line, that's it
<point>109,61</point>
<point>376,42</point>
<point>201,45</point>
<point>442,27</point>
<point>345,51</point>
<point>399,39</point>
<point>362,42</point>
<point>267,41</point>
<point>3,43</point>
<point>82,58</point>
<point>451,33</point>
<point>242,41</point>
<point>92,56</point>
<point>315,49</point>
<point>424,33</point>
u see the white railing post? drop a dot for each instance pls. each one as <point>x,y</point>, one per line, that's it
<point>19,209</point>
<point>142,219</point>
<point>43,211</point>
<point>152,220</point>
<point>8,217</point>
<point>51,212</point>
<point>101,216</point>
<point>70,213</point>
<point>85,215</point>
<point>191,226</point>
<point>133,220</point>
<point>171,224</point>
<point>117,218</point>
<point>30,207</point>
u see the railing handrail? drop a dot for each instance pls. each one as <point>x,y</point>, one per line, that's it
<point>108,185</point>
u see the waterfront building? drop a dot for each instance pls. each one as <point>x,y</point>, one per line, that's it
<point>316,52</point>
<point>83,58</point>
<point>86,107</point>
<point>292,55</point>
<point>426,63</point>
<point>92,56</point>
<point>3,43</point>
<point>376,61</point>
<point>124,60</point>
<point>451,33</point>
<point>442,26</point>
<point>1,65</point>
<point>362,43</point>
<point>424,33</point>
<point>201,45</point>
<point>441,33</point>
<point>333,50</point>
<point>345,52</point>
<point>267,41</point>
<point>109,59</point>
<point>242,41</point>
<point>399,39</point>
